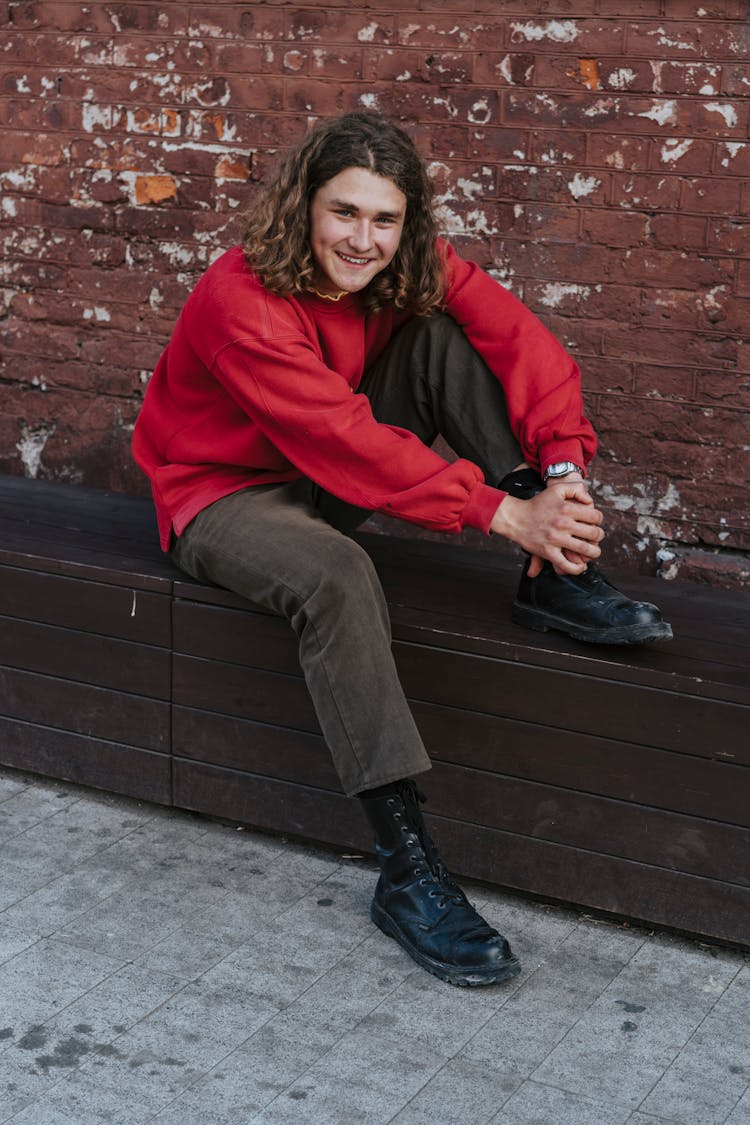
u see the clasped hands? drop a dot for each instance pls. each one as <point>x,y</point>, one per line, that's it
<point>560,524</point>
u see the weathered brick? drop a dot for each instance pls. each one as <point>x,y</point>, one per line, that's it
<point>630,154</point>
<point>549,146</point>
<point>551,222</point>
<point>563,72</point>
<point>589,38</point>
<point>688,40</point>
<point>657,345</point>
<point>682,232</point>
<point>728,388</point>
<point>730,236</point>
<point>614,229</point>
<point>646,193</point>
<point>669,308</point>
<point>674,383</point>
<point>691,78</point>
<point>417,29</point>
<point>538,182</point>
<point>710,195</point>
<point>606,375</point>
<point>307,25</point>
<point>736,81</point>
<point>499,144</point>
<point>505,68</point>
<point>684,155</point>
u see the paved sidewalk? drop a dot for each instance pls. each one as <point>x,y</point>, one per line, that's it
<point>159,967</point>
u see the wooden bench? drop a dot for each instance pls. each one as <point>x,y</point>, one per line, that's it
<point>614,779</point>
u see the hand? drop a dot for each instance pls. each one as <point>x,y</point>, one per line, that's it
<point>560,524</point>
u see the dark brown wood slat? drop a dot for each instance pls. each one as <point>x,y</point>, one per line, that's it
<point>115,611</point>
<point>706,727</point>
<point>616,886</point>
<point>85,657</point>
<point>586,763</point>
<point>255,640</point>
<point>69,558</point>
<point>113,716</point>
<point>593,823</point>
<point>242,635</point>
<point>271,804</point>
<point>714,680</point>
<point>248,693</point>
<point>257,748</point>
<point>86,761</point>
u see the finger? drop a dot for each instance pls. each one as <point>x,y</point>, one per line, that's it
<point>563,565</point>
<point>535,566</point>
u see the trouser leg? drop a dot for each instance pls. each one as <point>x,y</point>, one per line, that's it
<point>270,545</point>
<point>430,380</point>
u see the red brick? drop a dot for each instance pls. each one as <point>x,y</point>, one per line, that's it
<point>733,159</point>
<point>449,141</point>
<point>684,155</point>
<point>553,223</point>
<point>567,72</point>
<point>593,111</point>
<point>623,153</point>
<point>243,22</point>
<point>611,228</point>
<point>730,236</point>
<point>688,40</point>
<point>537,182</point>
<point>710,195</point>
<point>318,25</point>
<point>305,95</point>
<point>736,81</point>
<point>166,19</point>
<point>674,383</point>
<point>551,147</point>
<point>670,308</point>
<point>504,68</point>
<point>646,193</point>
<point>589,38</point>
<point>743,279</point>
<point>438,32</point>
<point>682,232</point>
<point>729,388</point>
<point>705,9</point>
<point>499,144</point>
<point>607,375</point>
<point>658,345</point>
<point>582,338</point>
<point>676,268</point>
<point>691,78</point>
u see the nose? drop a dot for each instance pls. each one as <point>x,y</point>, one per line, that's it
<point>359,236</point>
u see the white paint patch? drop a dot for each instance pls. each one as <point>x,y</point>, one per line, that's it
<point>733,148</point>
<point>155,299</point>
<point>674,150</point>
<point>480,112</point>
<point>558,31</point>
<point>555,292</point>
<point>31,446</point>
<point>663,113</point>
<point>97,313</point>
<point>643,504</point>
<point>728,112</point>
<point>470,188</point>
<point>177,253</point>
<point>367,34</point>
<point>665,41</point>
<point>23,180</point>
<point>581,186</point>
<point>622,79</point>
<point>601,107</point>
<point>9,206</point>
<point>369,101</point>
<point>403,77</point>
<point>707,90</point>
<point>22,84</point>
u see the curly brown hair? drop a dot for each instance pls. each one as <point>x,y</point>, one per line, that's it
<point>276,237</point>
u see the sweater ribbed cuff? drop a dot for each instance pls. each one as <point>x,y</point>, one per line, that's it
<point>481,506</point>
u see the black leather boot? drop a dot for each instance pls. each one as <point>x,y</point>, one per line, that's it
<point>418,904</point>
<point>585,606</point>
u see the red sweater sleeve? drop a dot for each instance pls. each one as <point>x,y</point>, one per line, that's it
<point>540,380</point>
<point>309,413</point>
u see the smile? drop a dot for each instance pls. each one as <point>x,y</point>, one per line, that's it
<point>353,261</point>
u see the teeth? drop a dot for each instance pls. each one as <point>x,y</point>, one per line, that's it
<point>355,261</point>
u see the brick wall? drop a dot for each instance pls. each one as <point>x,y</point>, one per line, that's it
<point>592,154</point>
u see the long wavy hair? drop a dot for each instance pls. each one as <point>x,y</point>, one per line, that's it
<point>276,237</point>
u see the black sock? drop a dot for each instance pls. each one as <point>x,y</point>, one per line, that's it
<point>390,790</point>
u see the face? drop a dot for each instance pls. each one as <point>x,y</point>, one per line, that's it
<point>356,221</point>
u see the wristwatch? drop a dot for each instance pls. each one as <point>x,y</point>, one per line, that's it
<point>561,469</point>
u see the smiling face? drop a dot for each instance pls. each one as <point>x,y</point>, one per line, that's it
<point>356,220</point>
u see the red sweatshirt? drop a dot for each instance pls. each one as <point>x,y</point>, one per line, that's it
<point>254,388</point>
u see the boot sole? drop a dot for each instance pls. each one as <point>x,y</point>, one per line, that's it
<point>450,973</point>
<point>614,635</point>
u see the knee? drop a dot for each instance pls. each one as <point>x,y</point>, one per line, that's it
<point>345,578</point>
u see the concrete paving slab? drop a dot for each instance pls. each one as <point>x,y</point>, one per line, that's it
<point>160,967</point>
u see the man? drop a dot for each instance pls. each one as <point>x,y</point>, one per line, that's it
<point>307,377</point>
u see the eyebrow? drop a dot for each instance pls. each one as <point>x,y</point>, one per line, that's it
<point>352,207</point>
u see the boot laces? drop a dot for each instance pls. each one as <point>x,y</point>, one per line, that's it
<point>449,891</point>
